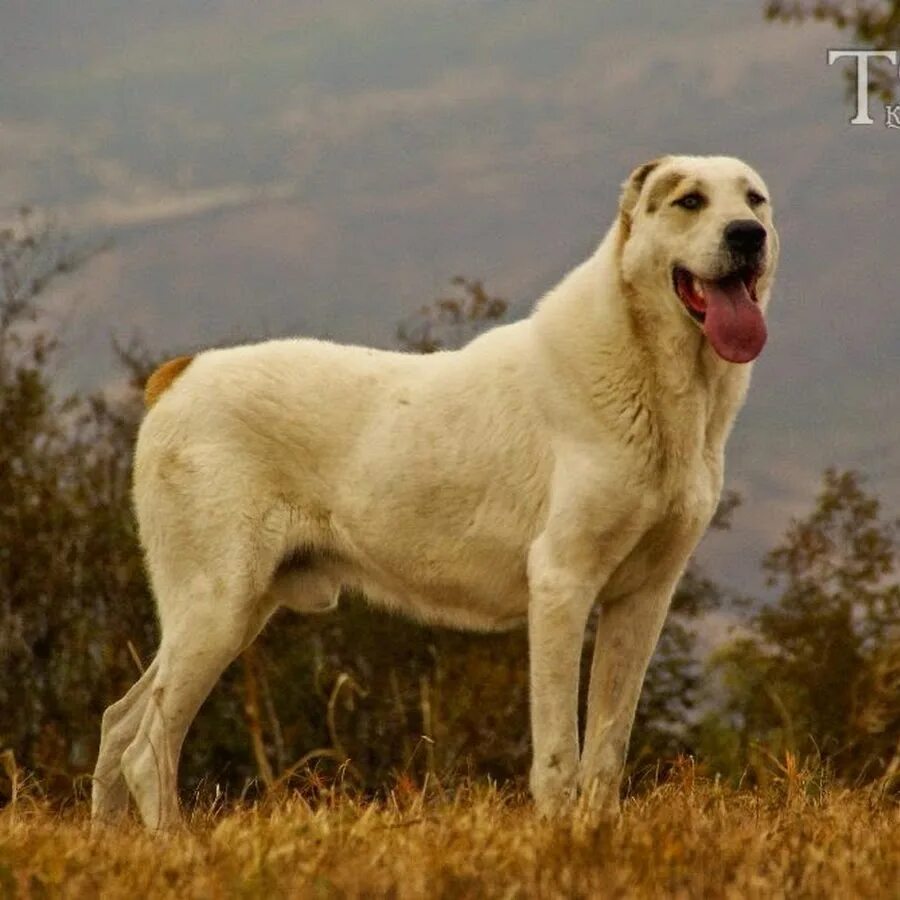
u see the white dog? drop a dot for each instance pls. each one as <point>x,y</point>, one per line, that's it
<point>571,458</point>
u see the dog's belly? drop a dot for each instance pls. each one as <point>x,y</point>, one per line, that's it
<point>448,570</point>
<point>486,604</point>
<point>453,606</point>
<point>473,590</point>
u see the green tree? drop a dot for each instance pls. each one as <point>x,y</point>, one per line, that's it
<point>818,670</point>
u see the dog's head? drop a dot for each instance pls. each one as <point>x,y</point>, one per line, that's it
<point>698,242</point>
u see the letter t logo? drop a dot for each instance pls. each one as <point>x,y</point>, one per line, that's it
<point>862,58</point>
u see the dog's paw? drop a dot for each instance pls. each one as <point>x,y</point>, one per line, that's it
<point>600,798</point>
<point>554,788</point>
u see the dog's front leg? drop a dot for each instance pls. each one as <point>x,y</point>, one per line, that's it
<point>627,633</point>
<point>563,591</point>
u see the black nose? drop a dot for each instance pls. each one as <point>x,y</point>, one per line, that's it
<point>745,236</point>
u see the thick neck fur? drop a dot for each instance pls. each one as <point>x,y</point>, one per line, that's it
<point>644,370</point>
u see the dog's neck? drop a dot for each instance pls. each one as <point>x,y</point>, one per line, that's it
<point>605,335</point>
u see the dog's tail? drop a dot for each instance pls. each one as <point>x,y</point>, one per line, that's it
<point>163,377</point>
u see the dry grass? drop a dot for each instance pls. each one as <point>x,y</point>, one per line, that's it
<point>681,839</point>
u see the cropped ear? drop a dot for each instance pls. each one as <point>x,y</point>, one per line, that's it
<point>631,190</point>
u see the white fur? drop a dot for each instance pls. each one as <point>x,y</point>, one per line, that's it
<point>572,457</point>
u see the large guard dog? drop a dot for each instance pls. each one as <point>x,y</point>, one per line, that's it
<point>569,459</point>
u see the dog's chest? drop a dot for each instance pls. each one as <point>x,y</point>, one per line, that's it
<point>671,533</point>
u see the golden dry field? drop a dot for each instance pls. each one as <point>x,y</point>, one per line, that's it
<point>685,838</point>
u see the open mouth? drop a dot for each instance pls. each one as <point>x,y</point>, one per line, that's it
<point>727,310</point>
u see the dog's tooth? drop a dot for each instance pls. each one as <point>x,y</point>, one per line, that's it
<point>698,286</point>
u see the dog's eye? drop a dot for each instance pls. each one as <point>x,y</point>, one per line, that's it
<point>754,198</point>
<point>692,201</point>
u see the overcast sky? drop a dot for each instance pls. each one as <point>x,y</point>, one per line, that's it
<point>278,167</point>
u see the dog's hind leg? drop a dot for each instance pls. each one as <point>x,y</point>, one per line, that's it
<point>109,792</point>
<point>209,628</point>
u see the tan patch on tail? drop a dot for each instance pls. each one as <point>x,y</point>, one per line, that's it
<point>163,377</point>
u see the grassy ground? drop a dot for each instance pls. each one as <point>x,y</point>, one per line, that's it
<point>681,839</point>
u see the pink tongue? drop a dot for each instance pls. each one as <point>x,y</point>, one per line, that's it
<point>734,323</point>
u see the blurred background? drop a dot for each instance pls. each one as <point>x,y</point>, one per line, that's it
<point>199,173</point>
